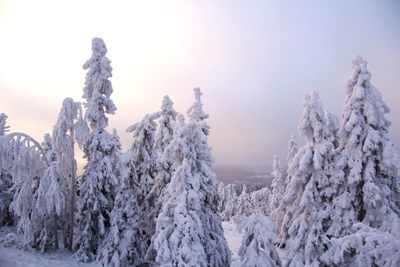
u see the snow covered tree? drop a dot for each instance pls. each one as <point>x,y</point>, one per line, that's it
<point>5,174</point>
<point>28,165</point>
<point>3,127</point>
<point>278,188</point>
<point>142,156</point>
<point>333,127</point>
<point>164,165</point>
<point>167,124</point>
<point>306,203</point>
<point>292,148</point>
<point>69,118</point>
<point>222,196</point>
<point>49,203</point>
<point>231,202</point>
<point>99,179</point>
<point>260,200</point>
<point>366,180</point>
<point>142,162</point>
<point>244,206</point>
<point>188,229</point>
<point>257,248</point>
<point>124,245</point>
<point>366,246</point>
<point>366,184</point>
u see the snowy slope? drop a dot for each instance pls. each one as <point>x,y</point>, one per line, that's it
<point>10,257</point>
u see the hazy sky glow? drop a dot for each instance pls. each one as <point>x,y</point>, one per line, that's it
<point>254,61</point>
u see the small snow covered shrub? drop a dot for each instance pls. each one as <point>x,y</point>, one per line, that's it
<point>257,248</point>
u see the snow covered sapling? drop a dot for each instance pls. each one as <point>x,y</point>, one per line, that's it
<point>99,179</point>
<point>244,206</point>
<point>257,247</point>
<point>188,229</point>
<point>307,200</point>
<point>278,188</point>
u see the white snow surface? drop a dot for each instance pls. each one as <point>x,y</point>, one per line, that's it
<point>12,257</point>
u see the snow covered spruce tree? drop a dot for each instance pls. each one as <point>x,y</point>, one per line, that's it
<point>142,165</point>
<point>231,202</point>
<point>257,248</point>
<point>366,181</point>
<point>291,153</point>
<point>142,155</point>
<point>188,229</point>
<point>222,196</point>
<point>306,203</point>
<point>164,165</point>
<point>244,205</point>
<point>98,181</point>
<point>5,174</point>
<point>280,211</point>
<point>278,188</point>
<point>124,245</point>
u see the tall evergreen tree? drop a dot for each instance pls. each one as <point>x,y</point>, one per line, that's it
<point>365,183</point>
<point>365,206</point>
<point>164,165</point>
<point>188,230</point>
<point>98,181</point>
<point>306,203</point>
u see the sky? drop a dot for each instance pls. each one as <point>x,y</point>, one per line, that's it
<point>254,61</point>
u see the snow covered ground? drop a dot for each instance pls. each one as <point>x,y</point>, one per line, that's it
<point>11,257</point>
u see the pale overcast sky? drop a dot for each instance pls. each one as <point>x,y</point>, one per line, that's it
<point>254,61</point>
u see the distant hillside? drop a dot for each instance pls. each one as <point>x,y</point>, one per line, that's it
<point>254,177</point>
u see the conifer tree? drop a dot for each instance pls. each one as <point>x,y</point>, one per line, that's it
<point>231,202</point>
<point>307,200</point>
<point>164,165</point>
<point>244,205</point>
<point>278,188</point>
<point>188,229</point>
<point>5,174</point>
<point>142,163</point>
<point>124,245</point>
<point>99,179</point>
<point>366,179</point>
